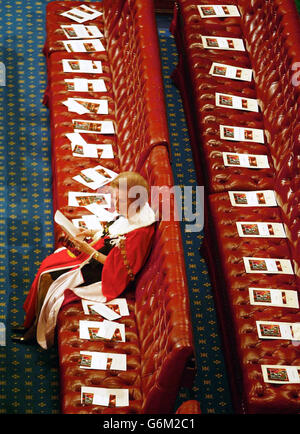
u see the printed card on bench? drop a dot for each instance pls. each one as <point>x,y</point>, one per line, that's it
<point>82,66</point>
<point>261,229</point>
<point>103,361</point>
<point>100,309</point>
<point>253,198</point>
<point>220,43</point>
<point>236,102</point>
<point>281,374</point>
<point>84,105</point>
<point>84,85</point>
<point>278,330</point>
<point>83,46</point>
<point>250,161</point>
<point>78,198</point>
<point>104,397</point>
<point>79,31</point>
<point>239,134</point>
<point>233,72</point>
<point>215,11</point>
<point>268,265</point>
<point>92,151</point>
<point>274,297</point>
<point>89,329</point>
<point>95,127</point>
<point>96,177</point>
<point>81,13</point>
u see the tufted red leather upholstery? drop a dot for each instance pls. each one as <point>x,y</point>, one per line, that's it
<point>270,31</point>
<point>158,330</point>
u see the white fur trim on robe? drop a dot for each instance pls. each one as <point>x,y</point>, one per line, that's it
<point>55,297</point>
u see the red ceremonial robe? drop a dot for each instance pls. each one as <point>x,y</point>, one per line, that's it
<point>123,262</point>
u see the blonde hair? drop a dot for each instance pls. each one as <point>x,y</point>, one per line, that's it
<point>131,179</point>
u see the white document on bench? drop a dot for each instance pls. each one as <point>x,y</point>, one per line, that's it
<point>236,102</point>
<point>83,46</point>
<point>281,374</point>
<point>117,305</point>
<point>278,330</point>
<point>261,229</point>
<point>105,397</point>
<point>220,43</point>
<point>78,198</point>
<point>82,65</point>
<point>274,297</point>
<point>232,72</point>
<point>82,13</point>
<point>252,198</point>
<point>103,361</point>
<point>79,31</point>
<point>250,161</point>
<point>84,85</point>
<point>240,134</point>
<point>218,11</point>
<point>85,105</point>
<point>268,265</point>
<point>95,127</point>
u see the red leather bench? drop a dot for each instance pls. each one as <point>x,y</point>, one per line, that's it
<point>159,342</point>
<point>271,34</point>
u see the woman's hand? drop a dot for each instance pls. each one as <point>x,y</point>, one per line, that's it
<point>86,233</point>
<point>82,245</point>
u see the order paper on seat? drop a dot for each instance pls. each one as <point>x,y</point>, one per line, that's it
<point>83,66</point>
<point>268,265</point>
<point>103,361</point>
<point>218,11</point>
<point>85,105</point>
<point>78,198</point>
<point>278,330</point>
<point>105,397</point>
<point>239,134</point>
<point>232,72</point>
<point>79,31</point>
<point>274,297</point>
<point>82,13</point>
<point>261,229</point>
<point>95,127</point>
<point>83,46</point>
<point>88,222</point>
<point>253,198</point>
<point>95,177</point>
<point>281,374</point>
<point>220,43</point>
<point>236,102</point>
<point>250,161</point>
<point>85,85</point>
<point>117,305</point>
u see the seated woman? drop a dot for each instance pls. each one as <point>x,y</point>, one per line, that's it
<point>103,268</point>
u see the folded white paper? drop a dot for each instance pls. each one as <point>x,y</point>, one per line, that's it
<point>82,13</point>
<point>214,11</point>
<point>281,374</point>
<point>88,222</point>
<point>105,397</point>
<point>241,134</point>
<point>111,330</point>
<point>103,361</point>
<point>92,151</point>
<point>261,229</point>
<point>220,43</point>
<point>79,31</point>
<point>268,265</point>
<point>65,223</point>
<point>232,72</point>
<point>250,161</point>
<point>82,66</point>
<point>118,306</point>
<point>85,105</point>
<point>274,297</point>
<point>253,198</point>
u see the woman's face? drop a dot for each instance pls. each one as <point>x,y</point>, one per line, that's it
<point>121,201</point>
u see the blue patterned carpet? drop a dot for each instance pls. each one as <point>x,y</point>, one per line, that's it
<point>29,381</point>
